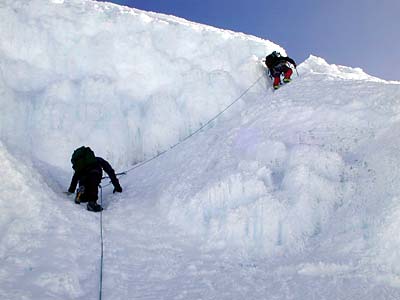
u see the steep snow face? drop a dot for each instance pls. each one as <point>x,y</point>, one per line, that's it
<point>126,82</point>
<point>310,163</point>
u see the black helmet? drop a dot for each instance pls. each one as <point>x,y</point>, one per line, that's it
<point>276,53</point>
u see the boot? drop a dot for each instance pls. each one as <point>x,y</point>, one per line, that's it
<point>277,82</point>
<point>79,195</point>
<point>93,206</point>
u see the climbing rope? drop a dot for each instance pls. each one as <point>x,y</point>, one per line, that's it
<point>149,160</point>
<point>196,131</point>
<point>102,244</point>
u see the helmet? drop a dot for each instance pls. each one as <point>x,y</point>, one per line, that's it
<point>276,53</point>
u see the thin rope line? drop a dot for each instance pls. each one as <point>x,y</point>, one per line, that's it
<point>149,160</point>
<point>102,244</point>
<point>199,129</point>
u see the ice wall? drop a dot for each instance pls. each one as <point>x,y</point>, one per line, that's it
<point>126,82</point>
<point>257,194</point>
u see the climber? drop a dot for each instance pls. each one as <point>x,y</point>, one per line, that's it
<point>278,65</point>
<point>88,172</point>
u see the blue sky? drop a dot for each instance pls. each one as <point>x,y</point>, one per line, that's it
<point>356,33</point>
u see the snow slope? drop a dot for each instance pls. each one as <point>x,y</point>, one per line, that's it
<point>287,195</point>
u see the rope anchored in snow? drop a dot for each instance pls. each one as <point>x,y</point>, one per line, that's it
<point>149,160</point>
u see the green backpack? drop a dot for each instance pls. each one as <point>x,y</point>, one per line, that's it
<point>82,158</point>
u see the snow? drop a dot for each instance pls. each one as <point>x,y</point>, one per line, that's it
<point>290,194</point>
<point>40,249</point>
<point>67,63</point>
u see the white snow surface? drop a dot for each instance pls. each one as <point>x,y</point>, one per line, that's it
<point>290,194</point>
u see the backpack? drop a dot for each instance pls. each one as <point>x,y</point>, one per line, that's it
<point>82,158</point>
<point>271,59</point>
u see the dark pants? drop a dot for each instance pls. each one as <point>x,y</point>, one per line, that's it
<point>91,181</point>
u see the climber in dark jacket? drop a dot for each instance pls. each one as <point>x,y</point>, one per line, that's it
<point>88,173</point>
<point>278,65</point>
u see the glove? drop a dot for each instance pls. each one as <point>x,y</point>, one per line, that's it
<point>117,188</point>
